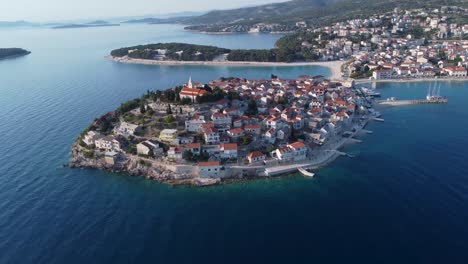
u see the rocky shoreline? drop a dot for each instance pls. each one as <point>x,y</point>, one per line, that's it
<point>160,174</point>
<point>132,167</point>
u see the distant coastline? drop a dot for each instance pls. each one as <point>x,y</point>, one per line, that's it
<point>333,66</point>
<point>69,26</point>
<point>238,33</point>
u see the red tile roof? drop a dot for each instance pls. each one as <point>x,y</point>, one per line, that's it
<point>236,131</point>
<point>255,154</point>
<point>193,91</point>
<point>230,146</point>
<point>297,145</point>
<point>209,164</point>
<point>193,145</point>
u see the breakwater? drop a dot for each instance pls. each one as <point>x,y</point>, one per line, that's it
<point>412,102</point>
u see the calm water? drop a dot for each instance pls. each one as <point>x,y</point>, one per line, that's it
<point>403,199</point>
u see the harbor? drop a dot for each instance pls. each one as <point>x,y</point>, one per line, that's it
<point>412,102</point>
<point>433,97</point>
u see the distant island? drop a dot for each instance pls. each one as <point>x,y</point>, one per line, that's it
<point>149,20</point>
<point>6,53</point>
<point>21,23</point>
<point>98,23</point>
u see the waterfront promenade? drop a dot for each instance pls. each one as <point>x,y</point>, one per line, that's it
<point>406,80</point>
<point>318,158</point>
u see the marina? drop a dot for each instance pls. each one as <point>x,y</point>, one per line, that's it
<point>413,102</point>
<point>433,97</point>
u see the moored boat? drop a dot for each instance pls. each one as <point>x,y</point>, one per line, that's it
<point>305,172</point>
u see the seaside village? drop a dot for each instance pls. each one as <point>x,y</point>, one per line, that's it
<point>418,43</point>
<point>255,124</point>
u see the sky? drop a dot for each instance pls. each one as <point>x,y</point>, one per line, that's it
<point>54,10</point>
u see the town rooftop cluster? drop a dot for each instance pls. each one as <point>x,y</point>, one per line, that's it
<point>257,122</point>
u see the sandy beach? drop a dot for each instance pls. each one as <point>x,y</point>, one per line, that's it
<point>333,66</point>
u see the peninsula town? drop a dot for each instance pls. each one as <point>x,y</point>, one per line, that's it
<point>227,129</point>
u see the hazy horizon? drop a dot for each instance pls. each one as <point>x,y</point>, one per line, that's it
<point>56,10</point>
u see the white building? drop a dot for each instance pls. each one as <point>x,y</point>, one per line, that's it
<point>457,71</point>
<point>256,156</point>
<point>252,129</point>
<point>274,122</point>
<point>175,153</point>
<point>195,125</point>
<point>211,135</point>
<point>270,135</point>
<point>195,148</point>
<point>228,151</point>
<point>382,74</point>
<point>220,119</point>
<point>183,140</point>
<point>210,169</point>
<point>126,129</point>
<point>296,151</point>
<point>91,137</point>
<point>191,93</point>
<point>236,133</point>
<point>148,146</point>
<point>108,144</point>
<point>168,135</point>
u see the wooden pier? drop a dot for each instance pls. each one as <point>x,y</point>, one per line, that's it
<point>412,102</point>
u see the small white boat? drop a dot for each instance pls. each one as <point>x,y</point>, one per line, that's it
<point>370,92</point>
<point>305,172</point>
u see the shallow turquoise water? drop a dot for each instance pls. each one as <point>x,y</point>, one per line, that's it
<point>403,199</point>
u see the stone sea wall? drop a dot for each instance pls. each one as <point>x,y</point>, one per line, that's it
<point>134,167</point>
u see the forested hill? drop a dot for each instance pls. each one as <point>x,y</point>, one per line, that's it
<point>260,13</point>
<point>315,12</point>
<point>12,52</point>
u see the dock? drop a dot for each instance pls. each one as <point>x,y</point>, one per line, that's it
<point>412,102</point>
<point>283,169</point>
<point>353,140</point>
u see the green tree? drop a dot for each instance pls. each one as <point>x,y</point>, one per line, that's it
<point>245,140</point>
<point>169,119</point>
<point>252,107</point>
<point>169,110</point>
<point>188,155</point>
<point>282,100</point>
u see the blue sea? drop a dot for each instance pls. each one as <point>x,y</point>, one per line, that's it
<point>402,199</point>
